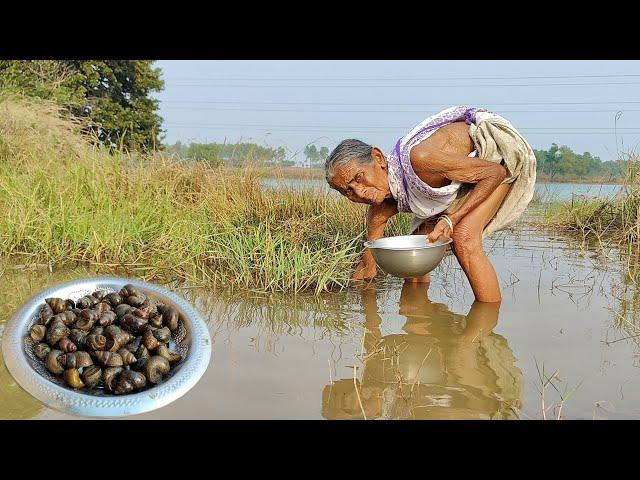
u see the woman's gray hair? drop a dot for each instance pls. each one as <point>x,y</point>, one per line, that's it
<point>346,152</point>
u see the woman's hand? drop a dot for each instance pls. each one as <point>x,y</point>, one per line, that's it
<point>366,269</point>
<point>442,229</point>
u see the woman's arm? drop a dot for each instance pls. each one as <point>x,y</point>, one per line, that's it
<point>459,168</point>
<point>377,218</point>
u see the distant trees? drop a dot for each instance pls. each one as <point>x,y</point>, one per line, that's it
<point>563,163</point>
<point>315,157</point>
<point>110,97</point>
<point>229,154</point>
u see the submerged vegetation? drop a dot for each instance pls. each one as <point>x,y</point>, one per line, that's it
<point>65,201</point>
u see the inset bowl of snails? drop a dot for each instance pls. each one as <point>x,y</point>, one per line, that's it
<point>106,347</point>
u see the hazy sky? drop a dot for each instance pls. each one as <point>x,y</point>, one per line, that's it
<point>294,103</point>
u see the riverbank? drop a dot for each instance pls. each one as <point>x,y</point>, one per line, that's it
<point>64,202</point>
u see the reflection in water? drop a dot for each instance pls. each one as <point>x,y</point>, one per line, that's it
<point>445,366</point>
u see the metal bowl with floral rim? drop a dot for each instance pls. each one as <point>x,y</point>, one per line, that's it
<point>191,339</point>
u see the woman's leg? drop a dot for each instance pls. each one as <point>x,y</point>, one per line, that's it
<point>424,229</point>
<point>467,247</point>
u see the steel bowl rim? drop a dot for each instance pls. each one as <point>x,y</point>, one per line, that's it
<point>69,401</point>
<point>369,244</point>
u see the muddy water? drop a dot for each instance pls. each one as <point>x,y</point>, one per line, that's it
<point>393,351</point>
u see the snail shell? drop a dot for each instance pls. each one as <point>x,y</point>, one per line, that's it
<point>87,318</point>
<point>156,321</point>
<point>37,332</point>
<point>116,338</point>
<point>97,330</point>
<point>164,352</point>
<point>127,357</point>
<point>91,375</point>
<point>170,316</point>
<point>86,302</point>
<point>45,314</point>
<point>132,323</point>
<point>123,309</point>
<point>133,345</point>
<point>95,342</point>
<point>128,289</point>
<point>52,362</point>
<point>67,317</point>
<point>76,360</point>
<point>162,334</point>
<point>59,305</point>
<point>108,359</point>
<point>72,377</point>
<point>103,307</point>
<point>77,336</point>
<point>110,376</point>
<point>149,340</point>
<point>114,299</point>
<point>136,300</point>
<point>67,345</point>
<point>57,331</point>
<point>99,295</point>
<point>155,367</point>
<point>107,318</point>
<point>41,350</point>
<point>130,381</point>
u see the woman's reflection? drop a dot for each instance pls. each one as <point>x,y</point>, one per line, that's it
<point>445,366</point>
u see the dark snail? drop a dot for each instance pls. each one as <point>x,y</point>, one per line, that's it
<point>41,350</point>
<point>52,362</point>
<point>130,381</point>
<point>114,299</point>
<point>67,317</point>
<point>37,332</point>
<point>110,376</point>
<point>95,342</point>
<point>86,302</point>
<point>127,357</point>
<point>122,309</point>
<point>57,331</point>
<point>67,345</point>
<point>59,305</point>
<point>170,316</point>
<point>155,368</point>
<point>78,336</point>
<point>133,324</point>
<point>75,360</point>
<point>149,340</point>
<point>116,338</point>
<point>96,330</point>
<point>156,321</point>
<point>45,314</point>
<point>163,351</point>
<point>133,345</point>
<point>98,294</point>
<point>108,359</point>
<point>91,375</point>
<point>107,318</point>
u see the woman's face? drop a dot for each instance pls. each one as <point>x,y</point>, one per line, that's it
<point>364,183</point>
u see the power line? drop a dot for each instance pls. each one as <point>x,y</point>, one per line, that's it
<point>385,127</point>
<point>529,77</point>
<point>379,111</point>
<point>235,85</point>
<point>228,102</point>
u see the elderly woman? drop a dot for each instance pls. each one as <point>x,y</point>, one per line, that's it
<point>463,173</point>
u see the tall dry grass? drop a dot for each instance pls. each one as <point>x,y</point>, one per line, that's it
<point>64,201</point>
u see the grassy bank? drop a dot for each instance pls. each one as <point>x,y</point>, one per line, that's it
<point>610,219</point>
<point>64,202</point>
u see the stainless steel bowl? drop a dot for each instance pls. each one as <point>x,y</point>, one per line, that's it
<point>407,255</point>
<point>191,339</point>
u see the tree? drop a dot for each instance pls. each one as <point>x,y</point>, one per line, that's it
<point>111,98</point>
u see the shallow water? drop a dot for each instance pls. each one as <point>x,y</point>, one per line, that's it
<point>544,191</point>
<point>391,351</point>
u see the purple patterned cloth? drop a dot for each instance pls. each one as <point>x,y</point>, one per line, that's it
<point>402,175</point>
